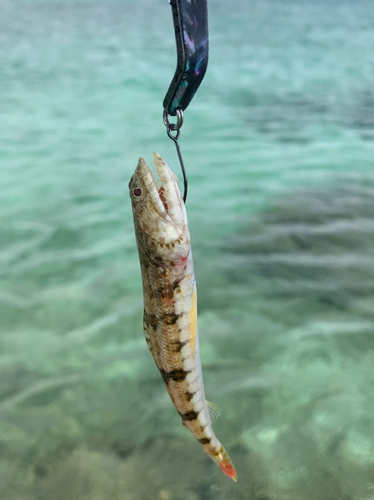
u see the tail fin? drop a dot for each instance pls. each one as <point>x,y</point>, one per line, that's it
<point>225,463</point>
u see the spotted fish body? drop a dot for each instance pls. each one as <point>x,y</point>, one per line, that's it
<point>170,300</point>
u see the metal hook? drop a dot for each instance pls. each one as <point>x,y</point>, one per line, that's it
<point>172,127</point>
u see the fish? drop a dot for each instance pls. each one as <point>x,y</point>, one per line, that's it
<point>170,299</point>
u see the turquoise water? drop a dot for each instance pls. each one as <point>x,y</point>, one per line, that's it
<point>279,147</point>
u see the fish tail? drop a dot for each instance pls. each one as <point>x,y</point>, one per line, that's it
<point>224,461</point>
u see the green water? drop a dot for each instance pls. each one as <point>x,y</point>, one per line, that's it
<point>279,147</point>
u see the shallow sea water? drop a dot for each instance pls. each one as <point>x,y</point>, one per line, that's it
<point>279,147</point>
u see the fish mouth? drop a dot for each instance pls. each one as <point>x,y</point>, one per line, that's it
<point>166,197</point>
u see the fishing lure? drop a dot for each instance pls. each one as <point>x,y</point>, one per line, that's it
<point>190,19</point>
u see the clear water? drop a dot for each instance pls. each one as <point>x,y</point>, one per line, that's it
<point>279,146</point>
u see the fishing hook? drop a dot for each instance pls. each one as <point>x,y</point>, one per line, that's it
<point>176,127</point>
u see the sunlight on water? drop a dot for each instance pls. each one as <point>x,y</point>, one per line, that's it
<point>279,148</point>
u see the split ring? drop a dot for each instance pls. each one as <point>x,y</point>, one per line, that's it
<point>173,126</point>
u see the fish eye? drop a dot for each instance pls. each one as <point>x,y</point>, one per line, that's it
<point>137,192</point>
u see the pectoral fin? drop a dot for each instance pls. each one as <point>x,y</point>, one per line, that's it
<point>214,412</point>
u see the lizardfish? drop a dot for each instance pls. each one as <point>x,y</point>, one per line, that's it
<point>170,301</point>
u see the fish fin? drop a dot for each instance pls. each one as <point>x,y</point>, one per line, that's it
<point>214,412</point>
<point>228,469</point>
<point>225,463</point>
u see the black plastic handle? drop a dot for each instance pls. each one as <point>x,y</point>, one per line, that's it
<point>192,37</point>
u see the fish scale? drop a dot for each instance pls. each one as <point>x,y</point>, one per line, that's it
<point>170,300</point>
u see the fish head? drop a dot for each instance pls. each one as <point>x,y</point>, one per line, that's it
<point>160,217</point>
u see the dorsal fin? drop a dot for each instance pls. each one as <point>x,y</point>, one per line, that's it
<point>214,412</point>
